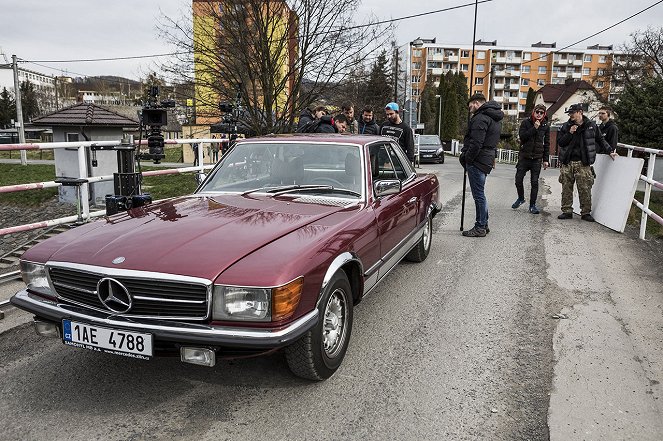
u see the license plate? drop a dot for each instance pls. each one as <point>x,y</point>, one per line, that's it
<point>427,156</point>
<point>111,341</point>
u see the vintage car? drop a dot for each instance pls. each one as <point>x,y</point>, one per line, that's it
<point>273,251</point>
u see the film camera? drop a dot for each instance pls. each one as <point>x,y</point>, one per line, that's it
<point>153,117</point>
<point>231,115</point>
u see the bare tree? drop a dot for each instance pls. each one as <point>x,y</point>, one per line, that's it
<point>279,56</point>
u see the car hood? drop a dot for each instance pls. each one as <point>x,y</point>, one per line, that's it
<point>198,236</point>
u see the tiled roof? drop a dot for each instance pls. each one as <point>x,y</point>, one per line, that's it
<point>558,94</point>
<point>85,114</point>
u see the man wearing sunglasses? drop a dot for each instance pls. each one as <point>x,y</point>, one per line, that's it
<point>534,137</point>
<point>578,142</point>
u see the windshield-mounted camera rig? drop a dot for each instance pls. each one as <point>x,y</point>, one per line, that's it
<point>231,114</point>
<point>153,116</point>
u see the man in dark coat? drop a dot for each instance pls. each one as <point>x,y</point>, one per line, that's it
<point>534,134</point>
<point>478,154</point>
<point>578,142</point>
<point>608,127</point>
<point>367,125</point>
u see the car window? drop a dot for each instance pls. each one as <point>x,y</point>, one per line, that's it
<point>252,166</point>
<point>429,139</point>
<point>388,162</point>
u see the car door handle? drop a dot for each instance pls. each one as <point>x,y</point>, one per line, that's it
<point>412,200</point>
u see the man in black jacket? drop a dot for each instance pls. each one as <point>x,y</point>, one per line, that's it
<point>368,126</point>
<point>478,154</point>
<point>534,134</point>
<point>578,143</point>
<point>608,127</point>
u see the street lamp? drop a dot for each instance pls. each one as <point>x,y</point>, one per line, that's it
<point>439,117</point>
<point>416,43</point>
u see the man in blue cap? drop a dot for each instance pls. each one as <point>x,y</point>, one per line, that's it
<point>395,127</point>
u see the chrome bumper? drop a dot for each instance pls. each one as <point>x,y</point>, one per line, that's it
<point>170,330</point>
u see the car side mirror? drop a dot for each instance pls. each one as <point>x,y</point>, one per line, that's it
<point>200,177</point>
<point>386,187</point>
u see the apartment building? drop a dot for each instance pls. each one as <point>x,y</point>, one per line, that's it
<point>505,73</point>
<point>44,85</point>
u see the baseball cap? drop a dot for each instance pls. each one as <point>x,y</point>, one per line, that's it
<point>574,108</point>
<point>392,106</point>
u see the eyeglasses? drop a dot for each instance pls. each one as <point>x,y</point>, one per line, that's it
<point>539,112</point>
<point>602,113</point>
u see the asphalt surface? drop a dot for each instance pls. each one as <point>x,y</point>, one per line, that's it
<point>468,345</point>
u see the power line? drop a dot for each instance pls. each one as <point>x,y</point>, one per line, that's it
<point>137,57</point>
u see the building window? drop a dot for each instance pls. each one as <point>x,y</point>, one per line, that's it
<point>478,81</point>
<point>416,65</point>
<point>480,67</point>
<point>416,78</point>
<point>585,71</point>
<point>526,69</point>
<point>543,57</point>
<point>464,67</point>
<point>523,95</point>
<point>600,84</point>
<point>481,55</point>
<point>416,52</point>
<point>542,69</point>
<point>602,59</point>
<point>527,56</point>
<point>465,54</point>
<point>588,58</point>
<point>540,82</point>
<point>601,72</point>
<point>524,82</point>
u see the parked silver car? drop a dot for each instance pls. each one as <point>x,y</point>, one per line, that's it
<point>430,149</point>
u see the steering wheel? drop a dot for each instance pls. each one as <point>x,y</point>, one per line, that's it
<point>323,180</point>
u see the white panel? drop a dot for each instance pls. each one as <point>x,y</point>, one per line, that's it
<point>613,190</point>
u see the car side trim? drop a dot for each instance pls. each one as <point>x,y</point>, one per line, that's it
<point>338,262</point>
<point>170,331</point>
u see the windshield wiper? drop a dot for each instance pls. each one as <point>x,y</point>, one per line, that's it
<point>327,189</point>
<point>285,188</point>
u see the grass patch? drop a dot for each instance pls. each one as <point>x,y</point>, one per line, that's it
<point>654,229</point>
<point>11,174</point>
<point>31,154</point>
<point>168,186</point>
<point>174,154</point>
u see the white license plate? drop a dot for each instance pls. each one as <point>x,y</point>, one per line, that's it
<point>427,156</point>
<point>111,341</point>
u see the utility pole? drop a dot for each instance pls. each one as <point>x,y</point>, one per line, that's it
<point>19,111</point>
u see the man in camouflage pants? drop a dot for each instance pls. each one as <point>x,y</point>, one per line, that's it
<point>578,143</point>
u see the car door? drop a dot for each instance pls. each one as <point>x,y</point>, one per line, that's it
<point>396,214</point>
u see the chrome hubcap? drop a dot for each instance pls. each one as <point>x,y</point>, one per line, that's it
<point>333,332</point>
<point>427,234</point>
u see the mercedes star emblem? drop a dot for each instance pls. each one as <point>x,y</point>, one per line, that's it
<point>114,295</point>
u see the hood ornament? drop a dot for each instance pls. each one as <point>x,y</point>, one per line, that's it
<point>118,260</point>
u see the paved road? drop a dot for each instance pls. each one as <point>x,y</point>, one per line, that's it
<point>462,347</point>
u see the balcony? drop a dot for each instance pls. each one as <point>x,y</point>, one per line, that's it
<point>500,73</point>
<point>511,112</point>
<point>514,99</point>
<point>498,86</point>
<point>576,75</point>
<point>452,58</point>
<point>436,57</point>
<point>577,63</point>
<point>500,60</point>
<point>436,71</point>
<point>498,99</point>
<point>512,73</point>
<point>514,86</point>
<point>514,60</point>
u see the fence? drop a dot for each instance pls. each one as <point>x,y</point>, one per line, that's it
<point>83,195</point>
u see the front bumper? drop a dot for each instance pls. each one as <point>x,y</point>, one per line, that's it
<point>170,331</point>
<point>430,155</point>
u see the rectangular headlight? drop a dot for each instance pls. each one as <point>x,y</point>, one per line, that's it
<point>34,276</point>
<point>239,303</point>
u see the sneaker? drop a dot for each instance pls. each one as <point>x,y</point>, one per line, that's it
<point>475,232</point>
<point>518,203</point>
<point>565,216</point>
<point>587,217</point>
<point>533,209</point>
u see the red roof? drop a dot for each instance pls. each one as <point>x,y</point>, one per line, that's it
<point>85,114</point>
<point>558,94</point>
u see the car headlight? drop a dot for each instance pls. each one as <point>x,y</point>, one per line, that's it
<point>34,276</point>
<point>256,304</point>
<point>440,151</point>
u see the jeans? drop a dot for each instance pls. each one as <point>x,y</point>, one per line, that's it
<point>477,180</point>
<point>534,168</point>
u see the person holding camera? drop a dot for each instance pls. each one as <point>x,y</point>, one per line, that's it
<point>534,134</point>
<point>578,143</point>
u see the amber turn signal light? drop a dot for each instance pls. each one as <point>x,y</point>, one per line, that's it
<point>286,298</point>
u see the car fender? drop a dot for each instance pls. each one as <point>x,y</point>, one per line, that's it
<point>339,262</point>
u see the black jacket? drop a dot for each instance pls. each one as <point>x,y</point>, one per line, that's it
<point>610,132</point>
<point>483,134</point>
<point>587,140</point>
<point>534,143</point>
<point>371,128</point>
<point>304,118</point>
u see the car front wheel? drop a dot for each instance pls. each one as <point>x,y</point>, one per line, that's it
<point>318,354</point>
<point>422,248</point>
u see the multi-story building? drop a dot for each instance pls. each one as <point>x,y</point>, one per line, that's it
<point>505,73</point>
<point>44,85</point>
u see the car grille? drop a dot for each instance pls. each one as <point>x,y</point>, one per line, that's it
<point>152,298</point>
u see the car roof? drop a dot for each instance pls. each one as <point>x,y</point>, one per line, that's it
<point>317,137</point>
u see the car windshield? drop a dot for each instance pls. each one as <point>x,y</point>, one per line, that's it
<point>278,167</point>
<point>429,139</point>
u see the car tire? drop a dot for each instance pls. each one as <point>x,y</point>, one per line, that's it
<point>422,248</point>
<point>319,353</point>
<point>442,159</point>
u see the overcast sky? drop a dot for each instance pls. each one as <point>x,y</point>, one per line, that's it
<point>84,29</point>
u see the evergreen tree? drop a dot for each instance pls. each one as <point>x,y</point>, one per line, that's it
<point>379,89</point>
<point>448,91</point>
<point>29,101</point>
<point>428,106</point>
<point>462,95</point>
<point>640,113</point>
<point>7,108</point>
<point>529,102</point>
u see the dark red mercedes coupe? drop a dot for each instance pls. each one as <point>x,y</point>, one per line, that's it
<point>273,251</point>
